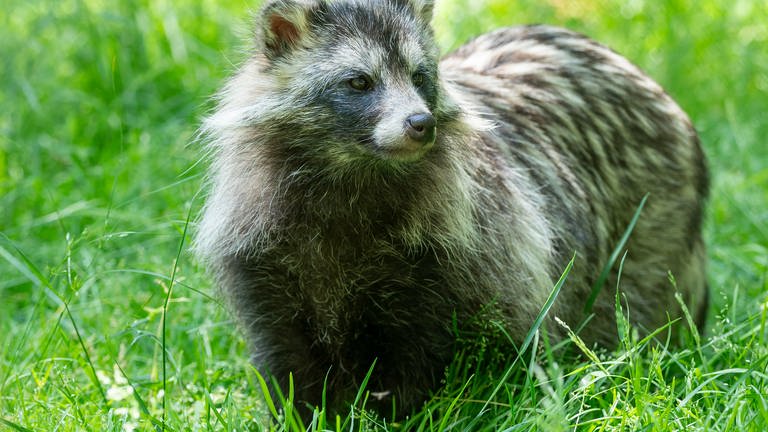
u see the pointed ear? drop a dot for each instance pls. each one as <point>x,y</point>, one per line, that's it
<point>423,9</point>
<point>282,25</point>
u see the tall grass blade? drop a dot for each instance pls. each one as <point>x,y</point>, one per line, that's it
<point>360,396</point>
<point>14,426</point>
<point>165,311</point>
<point>94,378</point>
<point>532,332</point>
<point>139,400</point>
<point>267,395</point>
<point>612,259</point>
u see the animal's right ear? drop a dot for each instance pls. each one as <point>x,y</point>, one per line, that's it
<point>282,24</point>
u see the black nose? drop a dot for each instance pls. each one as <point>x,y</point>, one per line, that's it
<point>420,127</point>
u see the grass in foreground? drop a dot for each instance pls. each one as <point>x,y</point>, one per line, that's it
<point>106,323</point>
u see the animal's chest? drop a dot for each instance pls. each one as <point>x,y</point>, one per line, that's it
<point>338,291</point>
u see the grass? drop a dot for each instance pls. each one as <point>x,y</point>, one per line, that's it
<point>108,324</point>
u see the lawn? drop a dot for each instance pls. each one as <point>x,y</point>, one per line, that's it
<point>107,322</point>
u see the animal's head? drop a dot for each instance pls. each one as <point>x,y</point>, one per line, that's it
<point>349,80</point>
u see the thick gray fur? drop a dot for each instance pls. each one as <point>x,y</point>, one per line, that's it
<point>337,241</point>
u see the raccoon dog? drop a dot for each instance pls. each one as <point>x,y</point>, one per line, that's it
<point>367,198</point>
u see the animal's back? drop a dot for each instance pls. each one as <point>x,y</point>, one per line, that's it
<point>593,135</point>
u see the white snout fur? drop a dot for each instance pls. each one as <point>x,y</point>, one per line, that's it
<point>390,133</point>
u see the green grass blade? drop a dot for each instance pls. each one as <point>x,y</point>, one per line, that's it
<point>444,422</point>
<point>613,257</point>
<point>139,400</point>
<point>165,311</point>
<point>533,330</point>
<point>216,412</point>
<point>14,426</point>
<point>360,396</point>
<point>25,266</point>
<point>93,376</point>
<point>267,395</point>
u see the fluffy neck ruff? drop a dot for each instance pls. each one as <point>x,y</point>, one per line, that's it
<point>268,185</point>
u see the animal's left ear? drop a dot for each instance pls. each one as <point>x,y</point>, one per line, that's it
<point>423,9</point>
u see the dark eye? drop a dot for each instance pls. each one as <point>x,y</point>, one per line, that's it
<point>418,79</point>
<point>361,83</point>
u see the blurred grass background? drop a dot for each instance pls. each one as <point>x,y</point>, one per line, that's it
<point>99,103</point>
